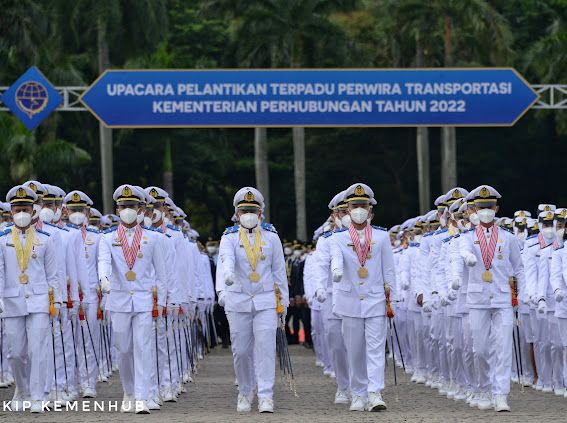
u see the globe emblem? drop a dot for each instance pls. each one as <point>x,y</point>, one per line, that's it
<point>31,98</point>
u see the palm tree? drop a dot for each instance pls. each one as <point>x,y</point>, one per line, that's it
<point>471,32</point>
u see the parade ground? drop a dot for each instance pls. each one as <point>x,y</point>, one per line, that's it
<point>213,397</point>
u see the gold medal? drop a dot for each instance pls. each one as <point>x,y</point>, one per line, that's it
<point>363,272</point>
<point>140,254</point>
<point>500,256</point>
<point>23,278</point>
<point>254,277</point>
<point>131,275</point>
<point>487,276</point>
<point>34,255</point>
<point>263,257</point>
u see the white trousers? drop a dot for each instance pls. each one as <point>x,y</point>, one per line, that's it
<point>493,327</point>
<point>5,368</point>
<point>365,341</point>
<point>132,337</point>
<point>337,352</point>
<point>318,336</point>
<point>253,337</point>
<point>29,352</point>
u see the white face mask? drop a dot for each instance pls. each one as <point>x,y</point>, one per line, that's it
<point>443,220</point>
<point>249,220</point>
<point>338,222</point>
<point>46,215</point>
<point>57,215</point>
<point>77,218</point>
<point>548,233</point>
<point>128,216</point>
<point>486,215</point>
<point>147,221</point>
<point>287,251</point>
<point>397,243</point>
<point>460,225</point>
<point>166,221</point>
<point>521,235</point>
<point>36,210</point>
<point>359,215</point>
<point>474,219</point>
<point>417,238</point>
<point>22,219</point>
<point>211,249</point>
<point>346,220</point>
<point>296,253</point>
<point>327,227</point>
<point>559,233</point>
<point>140,218</point>
<point>157,216</point>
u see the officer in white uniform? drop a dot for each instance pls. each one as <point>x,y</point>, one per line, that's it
<point>362,263</point>
<point>493,255</point>
<point>250,268</point>
<point>29,290</point>
<point>127,257</point>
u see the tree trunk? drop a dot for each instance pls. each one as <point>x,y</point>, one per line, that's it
<point>261,167</point>
<point>299,176</point>
<point>422,146</point>
<point>104,132</point>
<point>448,134</point>
<point>168,168</point>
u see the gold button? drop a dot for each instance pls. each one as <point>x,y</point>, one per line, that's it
<point>361,283</point>
<point>27,295</point>
<point>361,298</point>
<point>131,292</point>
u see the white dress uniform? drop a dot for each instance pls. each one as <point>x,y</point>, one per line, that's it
<point>131,297</point>
<point>25,303</point>
<point>359,297</point>
<point>250,301</point>
<point>489,300</point>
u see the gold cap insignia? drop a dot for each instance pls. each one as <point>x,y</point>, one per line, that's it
<point>521,214</point>
<point>126,192</point>
<point>249,196</point>
<point>546,208</point>
<point>33,187</point>
<point>549,215</point>
<point>563,213</point>
<point>153,193</point>
<point>21,193</point>
<point>76,197</point>
<point>484,193</point>
<point>524,221</point>
<point>359,190</point>
<point>457,194</point>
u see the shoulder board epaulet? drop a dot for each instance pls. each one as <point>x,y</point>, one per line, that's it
<point>548,245</point>
<point>414,244</point>
<point>231,230</point>
<point>173,228</point>
<point>529,246</point>
<point>146,228</point>
<point>9,224</point>
<point>507,230</point>
<point>70,225</point>
<point>379,227</point>
<point>55,226</point>
<point>447,239</point>
<point>532,236</point>
<point>268,227</point>
<point>440,231</point>
<point>341,230</point>
<point>6,232</point>
<point>456,235</point>
<point>94,231</point>
<point>398,250</point>
<point>192,241</point>
<point>428,234</point>
<point>327,234</point>
<point>167,235</point>
<point>42,232</point>
<point>109,230</point>
<point>559,248</point>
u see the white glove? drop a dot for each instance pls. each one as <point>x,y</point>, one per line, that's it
<point>452,296</point>
<point>229,279</point>
<point>337,276</point>
<point>426,308</point>
<point>435,302</point>
<point>559,295</point>
<point>470,259</point>
<point>393,307</point>
<point>541,307</point>
<point>405,284</point>
<point>445,301</point>
<point>456,284</point>
<point>221,298</point>
<point>173,309</point>
<point>105,285</point>
<point>321,295</point>
<point>283,316</point>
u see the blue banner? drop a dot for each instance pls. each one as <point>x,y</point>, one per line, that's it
<point>309,98</point>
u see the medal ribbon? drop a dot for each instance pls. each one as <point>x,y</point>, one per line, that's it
<point>541,240</point>
<point>252,253</point>
<point>555,245</point>
<point>130,252</point>
<point>487,251</point>
<point>360,252</point>
<point>84,232</point>
<point>23,253</point>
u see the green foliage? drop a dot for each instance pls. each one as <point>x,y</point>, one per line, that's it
<point>63,38</point>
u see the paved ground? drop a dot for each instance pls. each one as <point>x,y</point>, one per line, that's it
<point>213,399</point>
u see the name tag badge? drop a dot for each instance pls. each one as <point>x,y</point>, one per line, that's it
<point>10,245</point>
<point>116,245</point>
<point>477,242</point>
